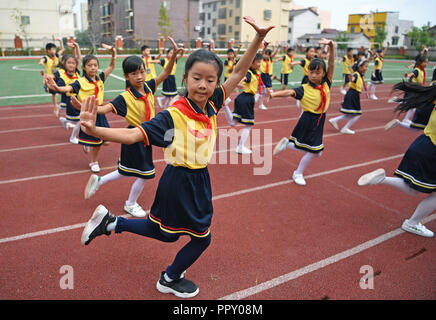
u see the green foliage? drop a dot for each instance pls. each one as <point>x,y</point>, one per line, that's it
<point>342,38</point>
<point>164,21</point>
<point>421,37</point>
<point>380,37</point>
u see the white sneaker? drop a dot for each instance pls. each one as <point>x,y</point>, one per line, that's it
<point>94,167</point>
<point>262,107</point>
<point>343,91</point>
<point>281,146</point>
<point>392,124</point>
<point>135,210</point>
<point>371,178</point>
<point>334,124</point>
<point>256,97</point>
<point>347,131</point>
<point>373,97</point>
<point>298,179</point>
<point>63,121</point>
<point>298,104</point>
<point>92,186</point>
<point>228,100</point>
<point>243,150</point>
<point>74,140</point>
<point>418,229</point>
<point>159,101</point>
<point>407,121</point>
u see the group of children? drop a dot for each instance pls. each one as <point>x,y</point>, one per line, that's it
<point>183,200</point>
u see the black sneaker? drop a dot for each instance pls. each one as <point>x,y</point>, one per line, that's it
<point>182,288</point>
<point>96,226</point>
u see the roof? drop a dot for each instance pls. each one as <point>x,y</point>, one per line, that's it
<point>332,36</point>
<point>294,13</point>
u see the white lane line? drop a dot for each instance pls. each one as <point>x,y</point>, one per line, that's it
<point>155,161</point>
<point>317,265</point>
<point>218,197</point>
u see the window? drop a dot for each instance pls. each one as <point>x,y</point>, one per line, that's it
<point>230,13</point>
<point>222,13</point>
<point>238,3</point>
<point>106,10</point>
<point>128,4</point>
<point>221,29</point>
<point>230,29</point>
<point>237,35</point>
<point>267,14</point>
<point>237,20</point>
<point>395,41</point>
<point>396,29</point>
<point>352,29</point>
<point>318,26</point>
<point>25,20</point>
<point>129,23</point>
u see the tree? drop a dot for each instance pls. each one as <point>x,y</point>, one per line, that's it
<point>421,37</point>
<point>164,22</point>
<point>342,37</point>
<point>21,22</point>
<point>380,36</point>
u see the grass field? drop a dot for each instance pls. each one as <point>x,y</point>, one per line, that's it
<point>21,82</point>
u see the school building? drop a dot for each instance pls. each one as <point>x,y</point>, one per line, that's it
<point>136,22</point>
<point>388,21</point>
<point>29,23</point>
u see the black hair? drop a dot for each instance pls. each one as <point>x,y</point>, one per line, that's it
<point>349,49</point>
<point>418,96</point>
<point>434,74</point>
<point>419,59</point>
<point>308,48</point>
<point>318,48</point>
<point>268,51</point>
<point>290,49</point>
<point>64,59</point>
<point>361,53</point>
<point>144,47</point>
<point>49,46</point>
<point>230,51</point>
<point>258,56</point>
<point>131,64</point>
<point>317,64</point>
<point>362,62</point>
<point>86,59</point>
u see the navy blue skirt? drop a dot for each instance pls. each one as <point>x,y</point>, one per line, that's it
<point>136,160</point>
<point>351,104</point>
<point>87,140</point>
<point>169,87</point>
<point>418,166</point>
<point>183,202</point>
<point>308,132</point>
<point>266,79</point>
<point>72,114</point>
<point>378,77</point>
<point>244,108</point>
<point>421,117</point>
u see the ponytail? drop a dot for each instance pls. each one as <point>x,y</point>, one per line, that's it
<point>416,96</point>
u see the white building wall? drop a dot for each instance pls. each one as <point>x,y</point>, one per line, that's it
<point>395,27</point>
<point>306,22</point>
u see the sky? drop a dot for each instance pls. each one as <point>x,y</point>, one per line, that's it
<point>419,11</point>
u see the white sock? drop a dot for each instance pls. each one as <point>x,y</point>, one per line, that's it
<point>111,226</point>
<point>76,130</point>
<point>135,191</point>
<point>229,116</point>
<point>409,114</point>
<point>350,122</point>
<point>114,175</point>
<point>244,136</point>
<point>373,89</point>
<point>262,97</point>
<point>304,162</point>
<point>399,184</point>
<point>338,118</point>
<point>167,279</point>
<point>424,208</point>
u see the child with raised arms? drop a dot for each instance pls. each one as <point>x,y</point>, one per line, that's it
<point>135,105</point>
<point>377,75</point>
<point>183,201</point>
<point>91,84</point>
<point>287,66</point>
<point>416,173</point>
<point>348,61</point>
<point>315,99</point>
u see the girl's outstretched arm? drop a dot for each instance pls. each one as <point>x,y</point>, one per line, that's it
<point>331,61</point>
<point>111,66</point>
<point>244,63</point>
<point>167,71</point>
<point>88,115</point>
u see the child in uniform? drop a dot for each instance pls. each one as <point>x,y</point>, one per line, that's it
<point>287,60</point>
<point>244,103</point>
<point>50,62</point>
<point>90,84</point>
<point>169,87</point>
<point>310,54</point>
<point>183,201</point>
<point>377,76</point>
<point>149,62</point>
<point>348,61</point>
<point>351,104</point>
<point>136,105</point>
<point>315,99</point>
<point>229,65</point>
<point>266,71</point>
<point>417,171</point>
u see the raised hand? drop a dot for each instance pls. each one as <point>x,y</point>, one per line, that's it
<point>261,31</point>
<point>76,103</point>
<point>108,47</point>
<point>88,115</point>
<point>326,41</point>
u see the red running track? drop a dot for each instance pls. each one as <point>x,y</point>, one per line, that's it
<point>271,239</point>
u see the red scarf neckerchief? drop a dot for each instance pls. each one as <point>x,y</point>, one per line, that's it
<point>364,85</point>
<point>147,105</point>
<point>185,107</point>
<point>75,76</point>
<point>260,82</point>
<point>323,102</point>
<point>423,70</point>
<point>267,66</point>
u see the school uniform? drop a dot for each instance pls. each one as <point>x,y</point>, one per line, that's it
<point>136,160</point>
<point>244,103</point>
<point>286,69</point>
<point>377,78</point>
<point>169,86</point>
<point>348,63</point>
<point>351,103</point>
<point>183,201</point>
<point>417,168</point>
<point>150,71</point>
<point>266,71</point>
<point>50,64</point>
<point>315,100</point>
<point>305,65</point>
<point>421,115</point>
<point>228,68</point>
<point>65,79</point>
<point>85,87</point>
